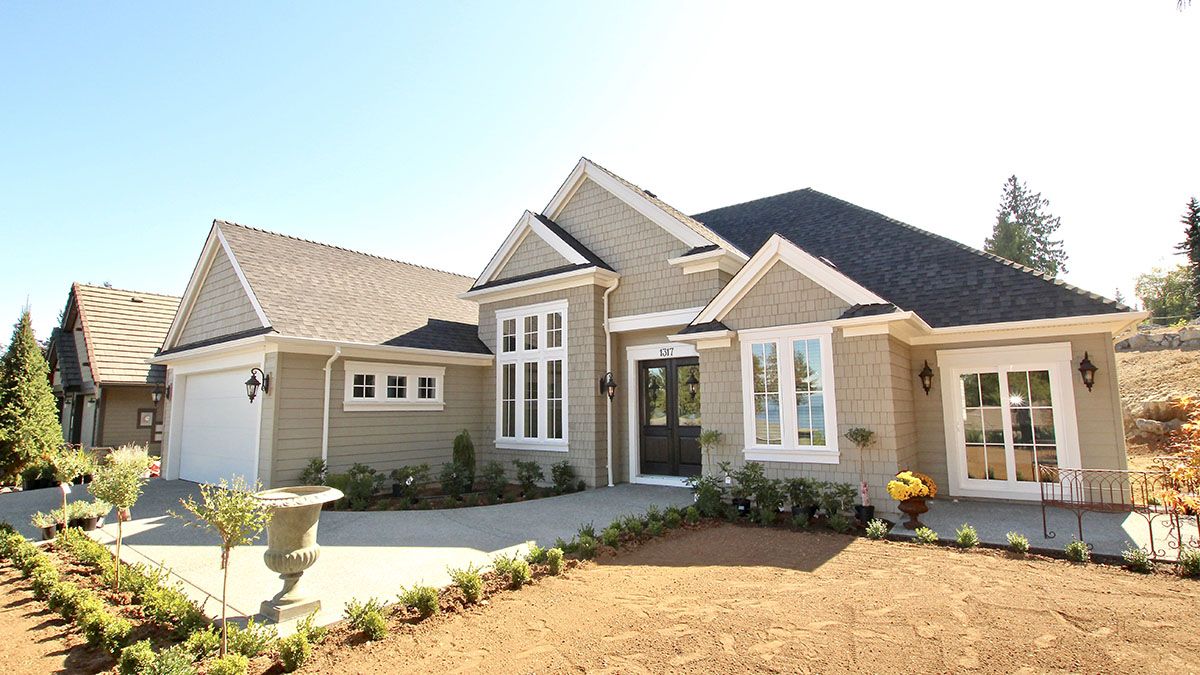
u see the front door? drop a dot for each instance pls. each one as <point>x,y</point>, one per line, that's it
<point>669,400</point>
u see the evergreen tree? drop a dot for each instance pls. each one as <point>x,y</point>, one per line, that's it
<point>1024,230</point>
<point>1167,294</point>
<point>1190,246</point>
<point>29,426</point>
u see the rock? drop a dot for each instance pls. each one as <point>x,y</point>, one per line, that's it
<point>1123,346</point>
<point>1159,410</point>
<point>1139,342</point>
<point>1189,334</point>
<point>1151,427</point>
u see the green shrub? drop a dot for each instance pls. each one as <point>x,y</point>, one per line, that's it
<point>1077,551</point>
<point>709,493</point>
<point>294,650</point>
<point>424,599</point>
<point>633,525</point>
<point>692,515</point>
<point>43,579</point>
<point>357,613</point>
<point>585,547</point>
<point>839,522</point>
<point>410,479</point>
<point>176,660</point>
<point>536,555</point>
<point>492,478</point>
<point>1137,560</point>
<point>468,581</point>
<point>966,536</point>
<point>837,498</point>
<point>803,492</point>
<point>800,522</point>
<point>764,515</point>
<point>203,642</point>
<point>253,639</point>
<point>562,474</point>
<point>655,528</point>
<point>520,574</point>
<point>1189,561</point>
<point>464,456</point>
<point>308,625</point>
<point>554,559</point>
<point>169,606</point>
<point>105,630</point>
<point>611,536</point>
<point>673,517</point>
<point>374,626</point>
<point>230,664</point>
<point>314,472</point>
<point>453,478</point>
<point>136,659</point>
<point>63,594</point>
<point>652,513</point>
<point>358,485</point>
<point>926,536</point>
<point>1018,543</point>
<point>877,529</point>
<point>528,475</point>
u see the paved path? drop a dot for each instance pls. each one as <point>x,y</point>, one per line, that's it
<point>363,554</point>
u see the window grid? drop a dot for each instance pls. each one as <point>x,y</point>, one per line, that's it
<point>364,386</point>
<point>397,386</point>
<point>531,378</point>
<point>426,388</point>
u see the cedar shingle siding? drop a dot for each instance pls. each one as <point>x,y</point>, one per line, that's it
<point>221,307</point>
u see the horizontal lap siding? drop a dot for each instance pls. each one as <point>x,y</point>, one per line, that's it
<point>121,406</point>
<point>221,307</point>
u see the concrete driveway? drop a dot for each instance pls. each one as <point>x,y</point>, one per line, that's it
<point>363,554</point>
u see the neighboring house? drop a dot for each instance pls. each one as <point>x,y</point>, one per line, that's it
<point>108,393</point>
<point>781,323</point>
<point>370,360</point>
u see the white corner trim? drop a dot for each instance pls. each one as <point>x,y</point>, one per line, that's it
<point>520,232</point>
<point>670,317</point>
<point>779,249</point>
<point>588,276</point>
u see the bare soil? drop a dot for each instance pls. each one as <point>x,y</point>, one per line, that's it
<point>743,599</point>
<point>1158,374</point>
<point>35,639</point>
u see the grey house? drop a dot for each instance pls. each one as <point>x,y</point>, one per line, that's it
<point>782,323</point>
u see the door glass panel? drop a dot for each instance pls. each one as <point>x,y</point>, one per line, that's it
<point>976,462</point>
<point>997,466</point>
<point>656,397</point>
<point>687,401</point>
<point>1026,469</point>
<point>1047,456</point>
<point>1039,387</point>
<point>983,427</point>
<point>1032,422</point>
<point>810,401</point>
<point>970,384</point>
<point>1018,389</point>
<point>989,389</point>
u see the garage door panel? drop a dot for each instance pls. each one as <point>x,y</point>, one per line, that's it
<point>219,429</point>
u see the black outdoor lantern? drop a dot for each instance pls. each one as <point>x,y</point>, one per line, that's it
<point>1087,370</point>
<point>654,389</point>
<point>692,383</point>
<point>926,376</point>
<point>253,383</point>
<point>157,394</point>
<point>608,385</point>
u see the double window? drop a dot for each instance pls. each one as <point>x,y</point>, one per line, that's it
<point>393,386</point>
<point>531,377</point>
<point>787,380</point>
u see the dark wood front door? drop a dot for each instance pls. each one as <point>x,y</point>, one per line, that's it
<point>670,417</point>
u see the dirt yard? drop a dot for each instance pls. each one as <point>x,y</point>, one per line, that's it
<point>740,599</point>
<point>36,640</point>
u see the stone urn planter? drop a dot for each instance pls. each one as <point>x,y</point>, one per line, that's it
<point>913,507</point>
<point>292,545</point>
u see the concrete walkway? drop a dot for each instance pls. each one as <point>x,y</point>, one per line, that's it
<point>363,554</point>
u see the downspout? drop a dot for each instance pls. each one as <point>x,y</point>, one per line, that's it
<point>337,352</point>
<point>608,369</point>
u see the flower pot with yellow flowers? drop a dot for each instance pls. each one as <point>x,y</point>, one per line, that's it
<point>911,489</point>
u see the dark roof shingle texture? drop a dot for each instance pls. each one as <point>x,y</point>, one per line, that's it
<point>943,281</point>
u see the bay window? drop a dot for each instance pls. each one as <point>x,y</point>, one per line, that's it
<point>531,410</point>
<point>788,399</point>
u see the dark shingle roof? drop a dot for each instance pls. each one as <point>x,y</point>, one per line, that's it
<point>533,275</point>
<point>873,309</point>
<point>705,327</point>
<point>943,281</point>
<point>446,335</point>
<point>68,360</point>
<point>572,242</point>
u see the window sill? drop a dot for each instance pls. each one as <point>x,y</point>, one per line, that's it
<point>546,446</point>
<point>414,406</point>
<point>770,454</point>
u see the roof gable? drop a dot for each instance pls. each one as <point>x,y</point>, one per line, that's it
<point>536,245</point>
<point>121,331</point>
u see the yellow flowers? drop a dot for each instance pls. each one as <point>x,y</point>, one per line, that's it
<point>909,484</point>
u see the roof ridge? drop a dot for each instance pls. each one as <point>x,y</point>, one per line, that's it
<point>222,221</point>
<point>971,249</point>
<point>757,199</point>
<point>80,284</point>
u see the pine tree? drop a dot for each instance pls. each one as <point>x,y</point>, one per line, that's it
<point>1190,246</point>
<point>1024,230</point>
<point>29,426</point>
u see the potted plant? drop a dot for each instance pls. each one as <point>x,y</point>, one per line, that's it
<point>409,481</point>
<point>47,523</point>
<point>805,496</point>
<point>87,515</point>
<point>862,439</point>
<point>746,481</point>
<point>911,489</point>
<point>709,439</point>
<point>69,464</point>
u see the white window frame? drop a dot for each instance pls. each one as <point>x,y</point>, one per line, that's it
<point>789,450</point>
<point>381,402</point>
<point>541,356</point>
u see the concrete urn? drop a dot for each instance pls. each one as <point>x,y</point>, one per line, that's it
<point>292,545</point>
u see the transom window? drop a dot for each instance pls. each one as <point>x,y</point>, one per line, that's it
<point>531,410</point>
<point>788,390</point>
<point>386,386</point>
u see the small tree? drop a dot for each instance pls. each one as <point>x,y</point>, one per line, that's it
<point>1167,294</point>
<point>862,439</point>
<point>236,516</point>
<point>29,426</point>
<point>1024,230</point>
<point>464,456</point>
<point>69,464</point>
<point>119,481</point>
<point>1190,246</point>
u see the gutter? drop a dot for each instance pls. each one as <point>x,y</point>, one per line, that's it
<point>608,369</point>
<point>337,353</point>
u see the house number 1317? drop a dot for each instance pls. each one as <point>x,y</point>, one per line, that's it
<point>666,351</point>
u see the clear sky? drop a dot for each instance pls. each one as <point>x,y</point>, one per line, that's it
<point>421,132</point>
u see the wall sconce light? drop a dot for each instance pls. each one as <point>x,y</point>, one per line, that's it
<point>926,376</point>
<point>169,391</point>
<point>692,384</point>
<point>1087,370</point>
<point>157,394</point>
<point>608,385</point>
<point>253,384</point>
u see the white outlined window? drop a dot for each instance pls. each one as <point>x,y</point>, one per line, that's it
<point>390,386</point>
<point>531,378</point>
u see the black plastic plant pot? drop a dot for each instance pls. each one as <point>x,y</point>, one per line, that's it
<point>806,512</point>
<point>743,506</point>
<point>49,533</point>
<point>89,524</point>
<point>865,514</point>
<point>75,522</point>
<point>397,490</point>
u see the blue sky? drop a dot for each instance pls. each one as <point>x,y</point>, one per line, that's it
<point>421,132</point>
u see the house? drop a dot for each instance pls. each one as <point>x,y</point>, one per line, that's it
<point>610,328</point>
<point>108,393</point>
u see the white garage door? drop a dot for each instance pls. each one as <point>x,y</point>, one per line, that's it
<point>220,428</point>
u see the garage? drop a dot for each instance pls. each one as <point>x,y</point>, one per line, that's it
<point>219,433</point>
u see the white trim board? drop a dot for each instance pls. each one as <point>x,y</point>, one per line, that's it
<point>587,276</point>
<point>664,319</point>
<point>664,350</point>
<point>527,223</point>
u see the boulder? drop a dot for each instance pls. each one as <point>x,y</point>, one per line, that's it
<point>1151,427</point>
<point>1159,410</point>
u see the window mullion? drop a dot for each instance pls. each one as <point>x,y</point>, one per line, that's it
<point>1010,450</point>
<point>787,393</point>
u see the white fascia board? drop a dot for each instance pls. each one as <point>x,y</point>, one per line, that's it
<point>554,282</point>
<point>707,340</point>
<point>671,317</point>
<point>638,202</point>
<point>253,343</point>
<point>778,249</point>
<point>1033,328</point>
<point>716,259</point>
<point>528,223</point>
<point>286,343</point>
<point>193,287</point>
